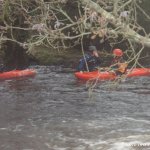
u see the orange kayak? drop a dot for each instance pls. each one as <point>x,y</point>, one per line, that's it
<point>105,75</point>
<point>17,74</point>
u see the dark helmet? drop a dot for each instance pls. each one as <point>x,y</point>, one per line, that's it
<point>92,48</point>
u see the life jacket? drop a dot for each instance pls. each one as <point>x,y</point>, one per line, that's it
<point>122,67</point>
<point>119,65</point>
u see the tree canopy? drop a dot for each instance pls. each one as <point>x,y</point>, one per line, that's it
<point>65,23</point>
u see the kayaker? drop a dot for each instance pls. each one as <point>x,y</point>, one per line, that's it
<point>2,68</point>
<point>90,60</point>
<point>118,65</point>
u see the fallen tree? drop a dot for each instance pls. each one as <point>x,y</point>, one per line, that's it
<point>123,28</point>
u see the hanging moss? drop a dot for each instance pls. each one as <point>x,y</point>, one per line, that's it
<point>6,11</point>
<point>142,19</point>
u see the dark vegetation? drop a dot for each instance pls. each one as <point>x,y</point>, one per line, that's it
<point>58,31</point>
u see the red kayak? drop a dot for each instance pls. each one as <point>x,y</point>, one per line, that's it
<point>17,74</point>
<point>105,75</point>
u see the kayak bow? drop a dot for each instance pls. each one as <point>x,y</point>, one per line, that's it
<point>106,75</point>
<point>17,74</point>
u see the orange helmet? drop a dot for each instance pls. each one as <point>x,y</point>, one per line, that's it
<point>117,52</point>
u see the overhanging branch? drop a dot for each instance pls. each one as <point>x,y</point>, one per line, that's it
<point>124,28</point>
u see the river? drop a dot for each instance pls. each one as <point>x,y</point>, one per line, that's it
<point>54,111</point>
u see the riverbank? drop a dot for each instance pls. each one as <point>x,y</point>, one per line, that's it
<point>48,56</point>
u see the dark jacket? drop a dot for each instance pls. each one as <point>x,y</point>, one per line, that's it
<point>2,68</point>
<point>92,63</point>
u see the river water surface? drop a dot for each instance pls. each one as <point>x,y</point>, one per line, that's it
<point>53,111</point>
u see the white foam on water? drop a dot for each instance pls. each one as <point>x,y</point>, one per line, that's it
<point>18,128</point>
<point>136,120</point>
<point>31,135</point>
<point>130,145</point>
<point>126,143</point>
<point>120,146</point>
<point>3,128</point>
<point>123,143</point>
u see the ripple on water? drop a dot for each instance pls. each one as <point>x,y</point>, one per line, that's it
<point>53,111</point>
